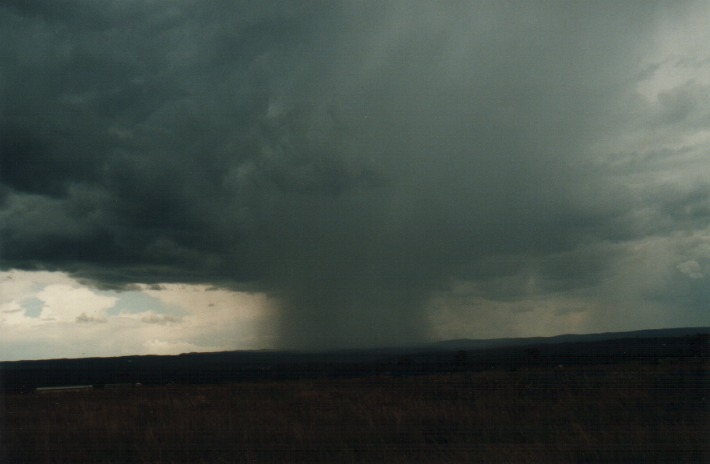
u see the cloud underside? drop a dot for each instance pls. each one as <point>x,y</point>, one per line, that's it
<point>363,163</point>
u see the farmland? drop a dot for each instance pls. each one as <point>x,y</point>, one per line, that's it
<point>624,412</point>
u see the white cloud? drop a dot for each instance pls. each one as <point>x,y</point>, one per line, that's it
<point>157,346</point>
<point>219,314</point>
<point>73,303</point>
<point>12,314</point>
<point>78,321</point>
<point>691,268</point>
<point>85,318</point>
<point>16,284</point>
<point>680,53</point>
<point>159,319</point>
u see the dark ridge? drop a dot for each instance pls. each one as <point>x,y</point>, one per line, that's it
<point>654,346</point>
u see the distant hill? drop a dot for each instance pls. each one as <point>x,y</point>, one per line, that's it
<point>472,344</point>
<point>648,346</point>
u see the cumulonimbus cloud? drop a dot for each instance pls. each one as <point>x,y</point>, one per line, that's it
<point>349,159</point>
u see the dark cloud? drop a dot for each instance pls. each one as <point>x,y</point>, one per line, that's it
<point>348,158</point>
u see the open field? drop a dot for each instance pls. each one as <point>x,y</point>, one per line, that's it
<point>618,413</point>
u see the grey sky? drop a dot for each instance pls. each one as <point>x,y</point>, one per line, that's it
<point>363,162</point>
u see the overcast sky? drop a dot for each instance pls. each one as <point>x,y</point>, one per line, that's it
<point>192,176</point>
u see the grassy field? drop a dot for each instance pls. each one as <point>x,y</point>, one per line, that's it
<point>622,413</point>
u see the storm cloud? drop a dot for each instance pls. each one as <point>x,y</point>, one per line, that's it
<point>363,162</point>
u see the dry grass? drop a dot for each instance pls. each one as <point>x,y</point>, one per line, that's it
<point>593,414</point>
